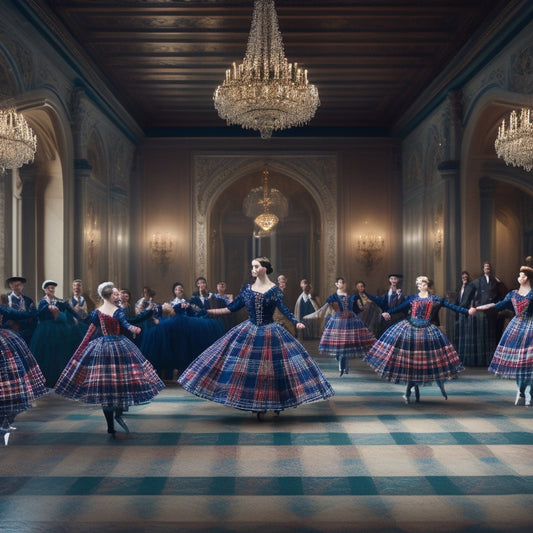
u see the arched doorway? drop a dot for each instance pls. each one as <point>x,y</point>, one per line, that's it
<point>291,245</point>
<point>497,200</point>
<point>314,173</point>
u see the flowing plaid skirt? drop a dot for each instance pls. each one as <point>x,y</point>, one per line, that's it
<point>345,334</point>
<point>256,368</point>
<point>411,353</point>
<point>513,358</point>
<point>21,380</point>
<point>110,371</point>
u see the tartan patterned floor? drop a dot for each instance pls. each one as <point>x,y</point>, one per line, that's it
<point>361,461</point>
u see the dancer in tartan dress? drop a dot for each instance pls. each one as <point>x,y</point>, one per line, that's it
<point>257,365</point>
<point>109,370</point>
<point>513,358</point>
<point>414,350</point>
<point>21,379</point>
<point>345,335</point>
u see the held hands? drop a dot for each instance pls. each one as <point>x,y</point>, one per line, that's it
<point>386,316</point>
<point>135,330</point>
<point>472,311</point>
<point>300,325</point>
<point>54,310</point>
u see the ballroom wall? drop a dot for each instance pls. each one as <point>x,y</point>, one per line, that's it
<point>362,179</point>
<point>436,192</point>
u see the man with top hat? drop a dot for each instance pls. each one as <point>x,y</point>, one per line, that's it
<point>20,302</point>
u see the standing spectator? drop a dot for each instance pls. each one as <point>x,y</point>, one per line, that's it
<point>465,325</point>
<point>18,301</point>
<point>488,329</point>
<point>393,298</point>
<point>56,336</point>
<point>306,304</point>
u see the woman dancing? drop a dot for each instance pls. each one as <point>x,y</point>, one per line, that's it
<point>513,358</point>
<point>109,370</point>
<point>21,379</point>
<point>257,365</point>
<point>414,350</point>
<point>345,335</point>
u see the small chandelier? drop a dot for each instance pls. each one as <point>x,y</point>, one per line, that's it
<point>515,144</point>
<point>265,92</point>
<point>18,143</point>
<point>266,220</point>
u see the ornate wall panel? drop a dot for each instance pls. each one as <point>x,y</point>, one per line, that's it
<point>316,172</point>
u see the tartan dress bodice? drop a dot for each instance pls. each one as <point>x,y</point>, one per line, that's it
<point>261,306</point>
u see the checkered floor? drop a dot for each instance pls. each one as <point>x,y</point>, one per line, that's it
<point>362,461</point>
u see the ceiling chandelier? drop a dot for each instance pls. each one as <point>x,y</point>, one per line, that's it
<point>18,143</point>
<point>515,144</point>
<point>265,92</point>
<point>266,220</point>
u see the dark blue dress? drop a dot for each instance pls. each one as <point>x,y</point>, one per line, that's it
<point>55,339</point>
<point>177,340</point>
<point>257,365</point>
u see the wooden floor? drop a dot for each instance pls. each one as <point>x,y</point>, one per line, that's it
<point>361,461</point>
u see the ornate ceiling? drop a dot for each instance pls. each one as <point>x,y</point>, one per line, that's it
<point>370,59</point>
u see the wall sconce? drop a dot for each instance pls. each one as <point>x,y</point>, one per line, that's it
<point>161,248</point>
<point>370,250</point>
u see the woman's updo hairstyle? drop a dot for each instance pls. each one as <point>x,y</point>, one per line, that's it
<point>528,271</point>
<point>265,262</point>
<point>422,278</point>
<point>105,289</point>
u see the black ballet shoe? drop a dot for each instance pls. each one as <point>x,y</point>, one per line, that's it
<point>121,423</point>
<point>276,413</point>
<point>444,394</point>
<point>259,414</point>
<point>417,394</point>
<point>341,372</point>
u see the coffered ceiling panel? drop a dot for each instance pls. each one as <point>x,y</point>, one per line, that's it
<point>370,60</point>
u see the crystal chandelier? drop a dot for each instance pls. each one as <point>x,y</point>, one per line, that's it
<point>17,140</point>
<point>515,144</point>
<point>265,92</point>
<point>266,220</point>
